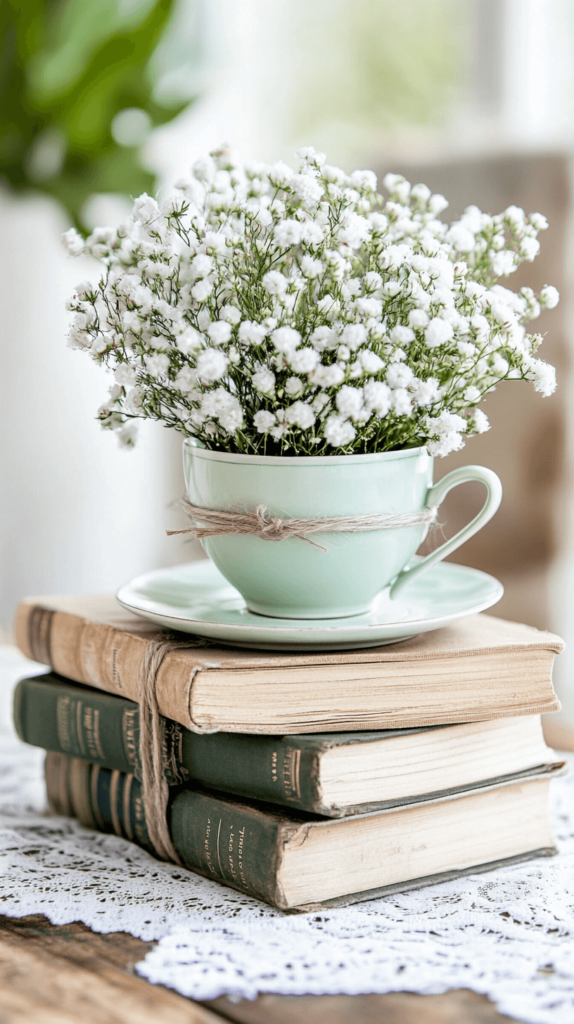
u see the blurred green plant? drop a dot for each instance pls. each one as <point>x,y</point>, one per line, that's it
<point>381,67</point>
<point>78,95</point>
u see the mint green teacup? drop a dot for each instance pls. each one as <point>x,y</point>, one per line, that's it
<point>291,578</point>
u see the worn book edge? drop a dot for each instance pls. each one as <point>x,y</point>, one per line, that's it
<point>271,829</point>
<point>551,768</point>
<point>420,883</point>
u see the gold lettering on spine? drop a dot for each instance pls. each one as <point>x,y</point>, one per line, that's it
<point>63,721</point>
<point>291,773</point>
<point>172,749</point>
<point>90,727</point>
<point>207,851</point>
<point>79,731</point>
<point>131,735</point>
<point>240,855</point>
<point>91,722</point>
<point>230,851</point>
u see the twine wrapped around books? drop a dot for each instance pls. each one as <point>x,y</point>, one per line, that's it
<point>229,523</point>
<point>155,789</point>
<point>226,522</point>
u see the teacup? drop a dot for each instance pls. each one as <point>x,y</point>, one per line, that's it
<point>292,578</point>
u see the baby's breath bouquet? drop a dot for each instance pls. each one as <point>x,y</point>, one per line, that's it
<point>279,312</point>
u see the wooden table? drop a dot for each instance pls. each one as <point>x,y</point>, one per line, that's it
<point>68,974</point>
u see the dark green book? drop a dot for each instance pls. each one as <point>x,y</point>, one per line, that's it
<point>298,862</point>
<point>332,774</point>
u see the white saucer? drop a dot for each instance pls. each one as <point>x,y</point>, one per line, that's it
<point>196,598</point>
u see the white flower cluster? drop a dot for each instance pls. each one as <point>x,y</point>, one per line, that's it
<point>275,311</point>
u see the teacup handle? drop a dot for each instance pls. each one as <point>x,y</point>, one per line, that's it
<point>435,495</point>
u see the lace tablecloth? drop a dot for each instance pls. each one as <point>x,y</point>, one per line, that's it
<point>508,934</point>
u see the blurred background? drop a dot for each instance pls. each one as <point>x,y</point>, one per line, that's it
<point>103,99</point>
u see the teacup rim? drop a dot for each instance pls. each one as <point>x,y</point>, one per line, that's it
<point>193,446</point>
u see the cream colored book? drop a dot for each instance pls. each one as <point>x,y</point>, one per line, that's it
<point>477,669</point>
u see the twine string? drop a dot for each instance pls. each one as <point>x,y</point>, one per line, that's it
<point>210,522</point>
<point>155,789</point>
<point>217,523</point>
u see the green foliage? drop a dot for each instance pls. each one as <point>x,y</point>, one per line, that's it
<point>67,68</point>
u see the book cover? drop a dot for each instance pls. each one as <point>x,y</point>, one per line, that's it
<point>299,862</point>
<point>329,774</point>
<point>476,669</point>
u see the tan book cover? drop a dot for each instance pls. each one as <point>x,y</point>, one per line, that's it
<point>477,669</point>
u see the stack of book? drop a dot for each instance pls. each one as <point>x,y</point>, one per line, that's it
<point>304,779</point>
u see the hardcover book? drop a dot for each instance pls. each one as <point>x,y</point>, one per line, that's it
<point>476,669</point>
<point>332,774</point>
<point>299,862</point>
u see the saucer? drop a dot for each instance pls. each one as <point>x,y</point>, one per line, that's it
<point>196,598</point>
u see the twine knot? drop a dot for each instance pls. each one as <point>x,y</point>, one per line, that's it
<point>269,527</point>
<point>210,522</point>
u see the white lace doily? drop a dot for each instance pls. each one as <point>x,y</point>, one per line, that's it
<point>508,934</point>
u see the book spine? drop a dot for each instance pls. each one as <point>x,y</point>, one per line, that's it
<point>81,723</point>
<point>104,730</point>
<point>110,656</point>
<point>231,843</point>
<point>57,775</point>
<point>99,655</point>
<point>275,769</point>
